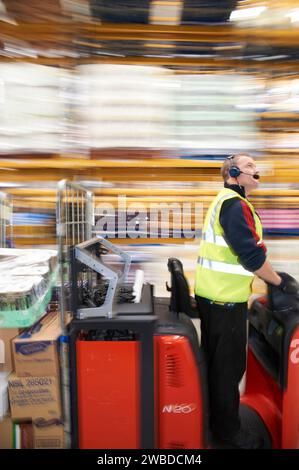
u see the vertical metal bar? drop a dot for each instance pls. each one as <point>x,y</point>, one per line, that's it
<point>88,216</point>
<point>5,221</point>
<point>11,222</point>
<point>5,218</point>
<point>61,234</point>
<point>68,207</point>
<point>70,215</point>
<point>82,232</point>
<point>77,218</point>
<point>66,215</point>
<point>74,224</point>
<point>1,222</point>
<point>66,243</point>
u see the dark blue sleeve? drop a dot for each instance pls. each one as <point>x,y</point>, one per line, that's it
<point>240,234</point>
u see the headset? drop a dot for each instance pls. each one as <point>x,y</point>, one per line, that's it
<point>234,171</point>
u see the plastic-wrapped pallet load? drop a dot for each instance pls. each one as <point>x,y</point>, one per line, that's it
<point>215,113</point>
<point>27,278</point>
<point>125,106</point>
<point>32,108</point>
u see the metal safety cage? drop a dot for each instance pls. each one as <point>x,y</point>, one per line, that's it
<point>74,218</point>
<point>6,225</point>
<point>74,214</point>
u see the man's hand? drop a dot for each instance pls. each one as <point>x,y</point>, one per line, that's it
<point>288,284</point>
<point>285,296</point>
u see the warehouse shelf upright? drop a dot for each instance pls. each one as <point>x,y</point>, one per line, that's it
<point>6,224</point>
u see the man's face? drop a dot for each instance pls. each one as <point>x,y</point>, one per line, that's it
<point>247,165</point>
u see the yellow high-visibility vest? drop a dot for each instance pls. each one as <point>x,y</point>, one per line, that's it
<point>219,274</point>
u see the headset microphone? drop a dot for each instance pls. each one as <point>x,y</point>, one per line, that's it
<point>256,176</point>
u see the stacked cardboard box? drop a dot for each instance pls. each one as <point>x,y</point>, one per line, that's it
<point>35,436</point>
<point>34,387</point>
<point>35,350</point>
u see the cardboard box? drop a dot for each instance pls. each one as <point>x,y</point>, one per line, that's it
<point>34,397</point>
<point>42,434</point>
<point>49,436</point>
<point>6,336</point>
<point>6,433</point>
<point>36,349</point>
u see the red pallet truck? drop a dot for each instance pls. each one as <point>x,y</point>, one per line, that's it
<point>139,376</point>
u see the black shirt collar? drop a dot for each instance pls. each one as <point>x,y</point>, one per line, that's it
<point>235,187</point>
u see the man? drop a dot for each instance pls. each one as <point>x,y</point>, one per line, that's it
<point>231,252</point>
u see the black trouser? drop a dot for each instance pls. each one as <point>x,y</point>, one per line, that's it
<point>223,332</point>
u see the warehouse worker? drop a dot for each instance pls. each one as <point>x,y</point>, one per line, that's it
<point>231,252</point>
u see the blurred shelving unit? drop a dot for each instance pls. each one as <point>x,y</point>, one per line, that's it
<point>70,36</point>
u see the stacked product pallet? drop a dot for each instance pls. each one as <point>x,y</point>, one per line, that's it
<point>124,106</point>
<point>33,108</point>
<point>30,398</point>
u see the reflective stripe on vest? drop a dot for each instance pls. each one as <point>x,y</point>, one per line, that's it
<point>224,267</point>
<point>210,237</point>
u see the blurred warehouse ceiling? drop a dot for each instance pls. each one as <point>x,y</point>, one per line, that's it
<point>189,34</point>
<point>146,11</point>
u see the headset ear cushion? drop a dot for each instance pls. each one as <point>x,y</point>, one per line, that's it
<point>234,172</point>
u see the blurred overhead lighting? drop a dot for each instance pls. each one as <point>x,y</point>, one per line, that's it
<point>246,13</point>
<point>5,184</point>
<point>228,47</point>
<point>293,15</point>
<point>96,184</point>
<point>166,12</point>
<point>272,57</point>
